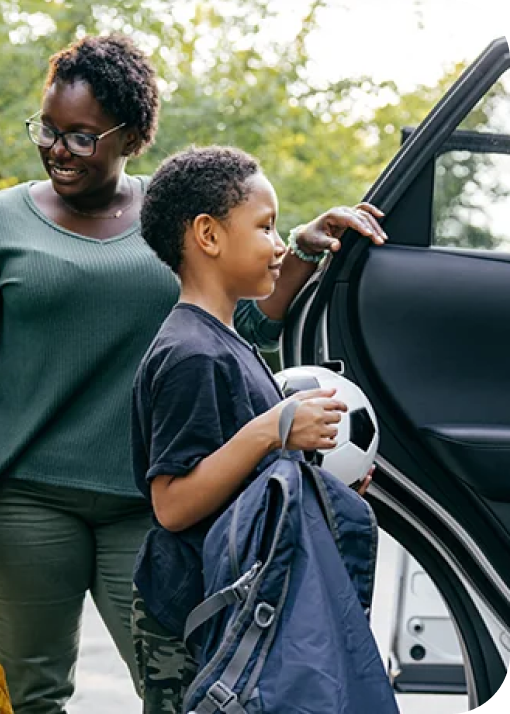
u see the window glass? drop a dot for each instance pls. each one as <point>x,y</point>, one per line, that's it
<point>492,113</point>
<point>471,206</point>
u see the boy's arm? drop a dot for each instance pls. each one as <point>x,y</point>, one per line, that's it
<point>180,501</point>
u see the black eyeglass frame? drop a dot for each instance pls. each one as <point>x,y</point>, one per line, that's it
<point>62,135</point>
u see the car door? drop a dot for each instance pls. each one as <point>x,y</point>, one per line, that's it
<point>423,326</point>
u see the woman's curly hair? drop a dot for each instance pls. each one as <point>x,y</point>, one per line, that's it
<point>211,179</point>
<point>121,79</point>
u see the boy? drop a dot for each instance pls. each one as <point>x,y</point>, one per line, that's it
<point>206,407</point>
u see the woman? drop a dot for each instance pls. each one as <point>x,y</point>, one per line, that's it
<point>82,297</point>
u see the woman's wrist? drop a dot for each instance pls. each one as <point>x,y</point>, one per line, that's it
<point>296,247</point>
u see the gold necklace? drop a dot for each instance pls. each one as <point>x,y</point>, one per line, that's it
<point>117,213</point>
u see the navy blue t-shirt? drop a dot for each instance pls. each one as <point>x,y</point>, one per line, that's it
<point>198,385</point>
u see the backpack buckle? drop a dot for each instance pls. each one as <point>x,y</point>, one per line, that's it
<point>221,696</point>
<point>264,615</point>
<point>241,587</point>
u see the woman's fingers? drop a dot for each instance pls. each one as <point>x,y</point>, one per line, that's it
<point>370,208</point>
<point>375,228</point>
<point>324,232</point>
<point>362,218</point>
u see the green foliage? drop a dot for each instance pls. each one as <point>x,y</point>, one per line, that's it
<point>225,81</point>
<point>468,185</point>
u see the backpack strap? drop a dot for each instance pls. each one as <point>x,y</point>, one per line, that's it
<point>219,698</point>
<point>220,695</point>
<point>237,592</point>
<point>285,423</point>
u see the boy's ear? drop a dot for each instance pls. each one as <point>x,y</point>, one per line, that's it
<point>205,232</point>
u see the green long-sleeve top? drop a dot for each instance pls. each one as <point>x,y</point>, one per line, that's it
<point>76,316</point>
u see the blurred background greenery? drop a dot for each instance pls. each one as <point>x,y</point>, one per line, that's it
<point>226,79</point>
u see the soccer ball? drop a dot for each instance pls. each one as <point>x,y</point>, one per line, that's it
<point>358,432</point>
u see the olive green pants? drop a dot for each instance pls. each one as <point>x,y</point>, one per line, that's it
<point>56,544</point>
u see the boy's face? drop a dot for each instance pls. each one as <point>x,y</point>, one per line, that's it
<point>252,251</point>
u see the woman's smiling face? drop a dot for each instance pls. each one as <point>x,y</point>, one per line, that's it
<point>73,107</point>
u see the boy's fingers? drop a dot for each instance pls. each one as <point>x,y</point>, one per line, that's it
<point>334,405</point>
<point>313,394</point>
<point>362,489</point>
<point>323,398</point>
<point>332,417</point>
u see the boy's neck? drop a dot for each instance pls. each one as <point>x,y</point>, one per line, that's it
<point>220,306</point>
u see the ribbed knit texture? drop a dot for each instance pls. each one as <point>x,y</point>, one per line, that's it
<point>76,315</point>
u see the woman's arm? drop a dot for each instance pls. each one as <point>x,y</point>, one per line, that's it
<point>321,234</point>
<point>261,322</point>
<point>256,327</point>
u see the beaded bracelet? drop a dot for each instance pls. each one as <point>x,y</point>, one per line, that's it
<point>307,257</point>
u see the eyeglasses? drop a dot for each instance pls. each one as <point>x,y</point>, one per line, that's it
<point>78,143</point>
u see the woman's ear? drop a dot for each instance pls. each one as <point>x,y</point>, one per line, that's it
<point>205,233</point>
<point>131,142</point>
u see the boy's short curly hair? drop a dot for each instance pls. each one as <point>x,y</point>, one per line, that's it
<point>197,180</point>
<point>121,78</point>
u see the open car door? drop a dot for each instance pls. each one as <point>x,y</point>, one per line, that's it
<point>423,326</point>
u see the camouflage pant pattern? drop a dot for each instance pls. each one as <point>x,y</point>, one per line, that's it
<point>165,667</point>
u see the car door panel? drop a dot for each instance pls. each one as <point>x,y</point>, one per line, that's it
<point>446,365</point>
<point>425,331</point>
<point>394,360</point>
<point>476,454</point>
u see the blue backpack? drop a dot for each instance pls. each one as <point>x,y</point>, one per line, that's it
<point>289,572</point>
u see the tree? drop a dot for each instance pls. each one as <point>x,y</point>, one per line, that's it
<point>468,184</point>
<point>254,96</point>
<point>222,81</point>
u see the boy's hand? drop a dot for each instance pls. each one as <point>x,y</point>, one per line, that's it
<point>361,487</point>
<point>314,425</point>
<point>325,231</point>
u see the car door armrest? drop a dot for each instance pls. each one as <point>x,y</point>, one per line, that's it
<point>479,455</point>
